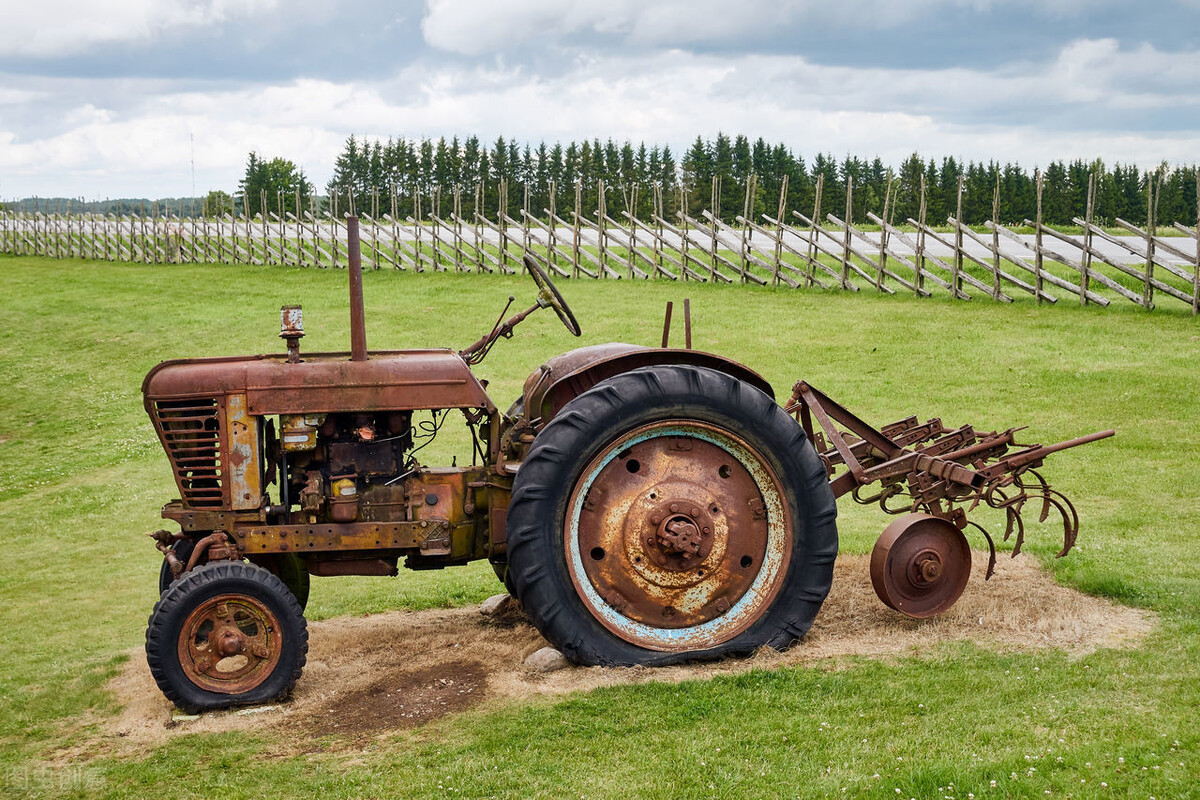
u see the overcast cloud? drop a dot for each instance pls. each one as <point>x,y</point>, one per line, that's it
<point>115,99</point>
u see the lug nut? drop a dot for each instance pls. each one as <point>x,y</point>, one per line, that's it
<point>674,506</point>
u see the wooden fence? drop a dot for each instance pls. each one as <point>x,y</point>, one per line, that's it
<point>792,248</point>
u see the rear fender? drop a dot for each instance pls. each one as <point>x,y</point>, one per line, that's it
<point>563,378</point>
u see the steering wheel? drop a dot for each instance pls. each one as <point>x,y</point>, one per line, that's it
<point>548,295</point>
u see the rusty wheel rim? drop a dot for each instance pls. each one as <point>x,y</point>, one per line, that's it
<point>920,565</point>
<point>230,644</point>
<point>678,536</point>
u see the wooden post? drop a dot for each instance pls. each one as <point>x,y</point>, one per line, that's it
<point>996,239</point>
<point>846,232</point>
<point>1086,261</point>
<point>958,239</point>
<point>145,236</point>
<point>1038,263</point>
<point>526,228</point>
<point>683,234</point>
<point>501,215</point>
<point>417,230</point>
<point>715,205</point>
<point>458,237</point>
<point>435,238</point>
<point>1196,266</point>
<point>883,234</point>
<point>397,257</point>
<point>658,230</point>
<point>476,229</point>
<point>575,236</point>
<point>601,214</point>
<point>919,255</point>
<point>780,214</point>
<point>262,226</point>
<point>55,237</point>
<point>1151,230</point>
<point>333,234</point>
<point>375,227</point>
<point>747,206</point>
<point>552,235</point>
<point>631,210</point>
<point>813,232</point>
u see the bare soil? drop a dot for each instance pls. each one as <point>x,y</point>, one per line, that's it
<point>368,676</point>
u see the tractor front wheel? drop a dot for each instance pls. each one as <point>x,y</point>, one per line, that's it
<point>671,513</point>
<point>226,634</point>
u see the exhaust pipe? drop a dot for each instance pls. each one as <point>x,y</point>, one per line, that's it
<point>358,329</point>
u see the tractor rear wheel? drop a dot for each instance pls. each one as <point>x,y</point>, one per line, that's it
<point>226,634</point>
<point>671,513</point>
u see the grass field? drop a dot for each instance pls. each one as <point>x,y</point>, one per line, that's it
<point>82,477</point>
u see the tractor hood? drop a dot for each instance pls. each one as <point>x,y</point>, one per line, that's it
<point>325,382</point>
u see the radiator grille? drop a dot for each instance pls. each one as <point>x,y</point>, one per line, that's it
<point>191,434</point>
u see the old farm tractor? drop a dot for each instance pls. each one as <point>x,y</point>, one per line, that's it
<point>646,505</point>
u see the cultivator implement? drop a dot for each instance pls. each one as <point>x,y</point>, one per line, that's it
<point>934,476</point>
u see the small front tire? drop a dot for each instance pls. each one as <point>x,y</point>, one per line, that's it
<point>226,634</point>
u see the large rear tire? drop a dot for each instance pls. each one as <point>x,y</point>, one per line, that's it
<point>226,634</point>
<point>671,513</point>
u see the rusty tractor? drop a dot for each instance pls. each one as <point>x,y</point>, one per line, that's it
<point>646,505</point>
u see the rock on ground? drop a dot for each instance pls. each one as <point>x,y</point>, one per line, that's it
<point>546,660</point>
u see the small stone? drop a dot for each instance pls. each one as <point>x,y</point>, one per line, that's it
<point>546,660</point>
<point>496,605</point>
<point>246,712</point>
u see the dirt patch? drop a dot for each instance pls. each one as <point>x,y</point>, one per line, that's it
<point>403,701</point>
<point>370,675</point>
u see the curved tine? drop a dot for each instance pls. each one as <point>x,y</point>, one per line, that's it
<point>1045,493</point>
<point>1070,524</point>
<point>1005,501</point>
<point>991,567</point>
<point>1020,537</point>
<point>889,510</point>
<point>1015,519</point>
<point>865,501</point>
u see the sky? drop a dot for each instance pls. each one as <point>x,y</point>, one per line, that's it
<point>148,98</point>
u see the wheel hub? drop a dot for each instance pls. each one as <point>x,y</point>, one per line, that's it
<point>230,644</point>
<point>679,535</point>
<point>920,565</point>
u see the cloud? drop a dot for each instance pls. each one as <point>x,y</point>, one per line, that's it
<point>58,28</point>
<point>477,27</point>
<point>818,77</point>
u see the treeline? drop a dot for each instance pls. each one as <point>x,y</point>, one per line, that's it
<point>389,177</point>
<point>179,206</point>
<point>374,174</point>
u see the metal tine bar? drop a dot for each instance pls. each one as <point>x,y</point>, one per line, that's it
<point>899,426</point>
<point>951,441</point>
<point>929,430</point>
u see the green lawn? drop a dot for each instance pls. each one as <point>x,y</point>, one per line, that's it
<point>82,477</point>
